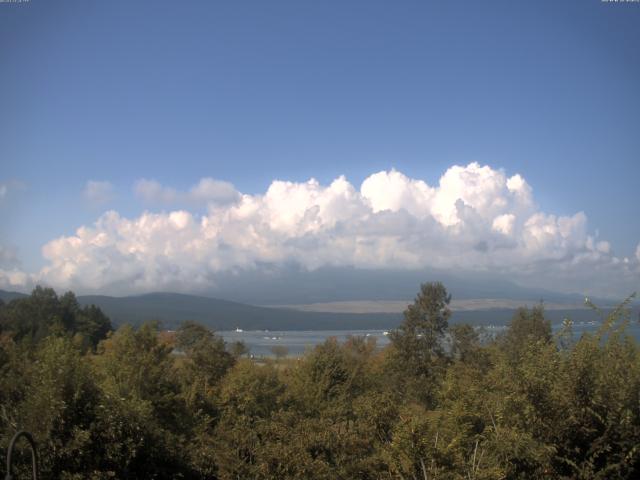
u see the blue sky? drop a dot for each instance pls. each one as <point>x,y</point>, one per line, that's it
<point>249,92</point>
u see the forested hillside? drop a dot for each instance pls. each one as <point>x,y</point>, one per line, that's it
<point>140,403</point>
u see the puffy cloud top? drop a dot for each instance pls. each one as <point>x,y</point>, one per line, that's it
<point>477,218</point>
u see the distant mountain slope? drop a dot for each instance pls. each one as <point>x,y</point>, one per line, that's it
<point>399,306</point>
<point>6,297</point>
<point>340,284</point>
<point>173,308</point>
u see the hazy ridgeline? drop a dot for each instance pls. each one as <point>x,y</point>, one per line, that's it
<point>142,403</point>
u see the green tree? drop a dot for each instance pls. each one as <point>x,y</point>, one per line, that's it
<point>249,396</point>
<point>206,360</point>
<point>527,326</point>
<point>143,417</point>
<point>57,402</point>
<point>418,357</point>
<point>598,432</point>
<point>238,349</point>
<point>279,351</point>
<point>43,312</point>
<point>32,317</point>
<point>465,343</point>
<point>92,324</point>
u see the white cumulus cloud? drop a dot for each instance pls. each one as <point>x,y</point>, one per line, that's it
<point>98,192</point>
<point>476,218</point>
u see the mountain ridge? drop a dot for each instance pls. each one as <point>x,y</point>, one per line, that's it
<point>171,309</point>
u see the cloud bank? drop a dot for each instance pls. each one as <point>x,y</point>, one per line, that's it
<point>476,219</point>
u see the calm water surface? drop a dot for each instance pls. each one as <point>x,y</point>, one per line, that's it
<point>261,342</point>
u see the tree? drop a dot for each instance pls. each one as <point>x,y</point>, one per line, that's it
<point>191,333</point>
<point>248,397</point>
<point>32,317</point>
<point>526,327</point>
<point>43,312</point>
<point>465,345</point>
<point>418,355</point>
<point>143,418</point>
<point>207,358</point>
<point>280,351</point>
<point>238,349</point>
<point>92,324</point>
<point>56,399</point>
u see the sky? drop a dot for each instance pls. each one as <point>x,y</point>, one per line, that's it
<point>155,145</point>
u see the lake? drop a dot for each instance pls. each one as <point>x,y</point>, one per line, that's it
<point>260,342</point>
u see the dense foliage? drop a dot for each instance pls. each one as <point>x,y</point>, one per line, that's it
<point>438,403</point>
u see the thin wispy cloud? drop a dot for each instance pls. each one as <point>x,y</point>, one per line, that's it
<point>8,257</point>
<point>477,218</point>
<point>206,191</point>
<point>98,193</point>
<point>8,187</point>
